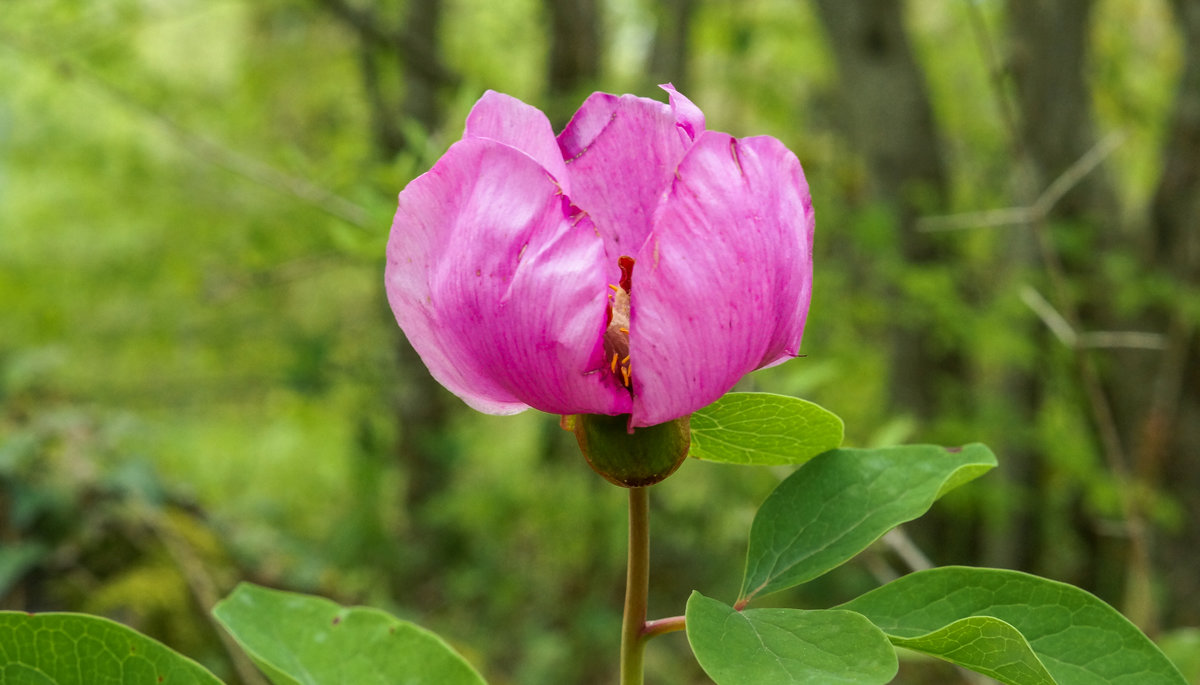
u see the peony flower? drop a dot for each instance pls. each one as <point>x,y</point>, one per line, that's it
<point>636,264</point>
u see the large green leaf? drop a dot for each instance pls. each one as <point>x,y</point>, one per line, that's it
<point>1080,639</point>
<point>76,649</point>
<point>762,429</point>
<point>302,640</point>
<point>787,646</point>
<point>836,505</point>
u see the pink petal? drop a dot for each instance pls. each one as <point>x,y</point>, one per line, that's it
<point>499,284</point>
<point>621,153</point>
<point>506,119</point>
<point>723,284</point>
<point>688,116</point>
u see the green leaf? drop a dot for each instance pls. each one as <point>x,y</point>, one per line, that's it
<point>762,429</point>
<point>1078,638</point>
<point>840,502</point>
<point>786,646</point>
<point>302,640</point>
<point>76,649</point>
<point>986,645</point>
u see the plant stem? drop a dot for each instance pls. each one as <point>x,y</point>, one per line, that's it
<point>663,626</point>
<point>637,588</point>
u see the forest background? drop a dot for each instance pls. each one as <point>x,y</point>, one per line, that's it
<point>201,381</point>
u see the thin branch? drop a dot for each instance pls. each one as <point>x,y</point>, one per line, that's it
<point>211,151</point>
<point>1058,325</point>
<point>1129,340</point>
<point>1041,207</point>
<point>991,58</point>
<point>899,542</point>
<point>243,165</point>
<point>266,175</point>
<point>991,218</point>
<point>1077,172</point>
<point>1067,335</point>
<point>878,566</point>
<point>662,626</point>
<point>202,586</point>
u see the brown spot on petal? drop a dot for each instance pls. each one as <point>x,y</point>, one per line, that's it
<point>626,266</point>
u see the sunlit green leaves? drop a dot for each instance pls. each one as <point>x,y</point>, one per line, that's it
<point>1182,647</point>
<point>786,646</point>
<point>73,649</point>
<point>1078,638</point>
<point>763,429</point>
<point>302,640</point>
<point>840,502</point>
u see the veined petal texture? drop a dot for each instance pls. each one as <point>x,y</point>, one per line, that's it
<point>507,120</point>
<point>499,284</point>
<point>722,285</point>
<point>620,154</point>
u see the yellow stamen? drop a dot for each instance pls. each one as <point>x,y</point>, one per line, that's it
<point>624,330</point>
<point>613,365</point>
<point>625,360</point>
<point>625,375</point>
<point>615,288</point>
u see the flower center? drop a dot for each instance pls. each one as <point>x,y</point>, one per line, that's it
<point>616,334</point>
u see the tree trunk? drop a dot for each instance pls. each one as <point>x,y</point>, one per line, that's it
<point>403,76</point>
<point>1049,41</point>
<point>889,116</point>
<point>420,101</point>
<point>1176,206</point>
<point>573,65</point>
<point>402,70</point>
<point>1169,450</point>
<point>668,56</point>
<point>890,123</point>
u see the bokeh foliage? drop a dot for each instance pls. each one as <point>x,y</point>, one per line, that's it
<point>200,380</point>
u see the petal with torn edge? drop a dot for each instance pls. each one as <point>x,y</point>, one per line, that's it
<point>621,153</point>
<point>506,119</point>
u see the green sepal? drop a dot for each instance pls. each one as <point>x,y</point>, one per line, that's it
<point>631,458</point>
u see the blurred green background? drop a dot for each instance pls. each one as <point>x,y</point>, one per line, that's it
<point>201,381</point>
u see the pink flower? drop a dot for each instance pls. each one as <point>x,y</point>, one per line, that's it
<point>636,264</point>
